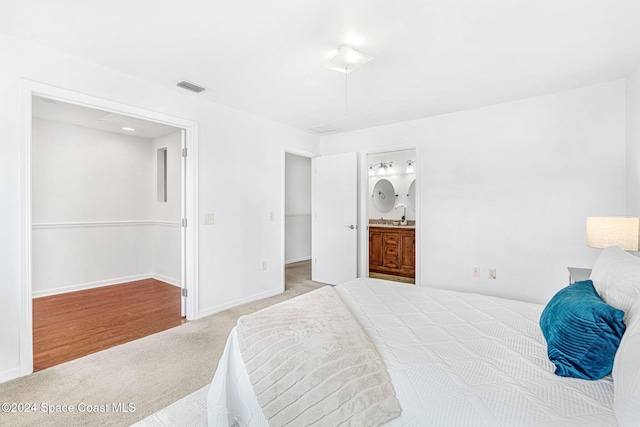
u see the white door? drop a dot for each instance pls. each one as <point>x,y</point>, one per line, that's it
<point>335,216</point>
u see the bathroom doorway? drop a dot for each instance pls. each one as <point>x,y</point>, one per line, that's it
<point>391,215</point>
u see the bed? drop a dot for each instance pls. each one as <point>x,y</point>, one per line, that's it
<point>462,359</point>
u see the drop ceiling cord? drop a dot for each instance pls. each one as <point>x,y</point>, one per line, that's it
<point>346,92</point>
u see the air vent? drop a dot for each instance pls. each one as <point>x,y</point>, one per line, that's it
<point>322,129</point>
<point>191,86</point>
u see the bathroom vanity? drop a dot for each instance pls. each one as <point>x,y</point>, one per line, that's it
<point>392,250</point>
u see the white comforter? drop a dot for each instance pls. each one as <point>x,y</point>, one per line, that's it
<point>454,359</point>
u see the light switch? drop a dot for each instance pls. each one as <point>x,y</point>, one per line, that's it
<point>208,219</point>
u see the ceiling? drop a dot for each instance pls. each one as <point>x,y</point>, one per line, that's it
<point>265,57</point>
<point>63,112</point>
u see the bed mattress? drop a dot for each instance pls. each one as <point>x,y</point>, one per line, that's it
<point>454,359</point>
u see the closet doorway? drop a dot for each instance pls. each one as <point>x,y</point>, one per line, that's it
<point>108,198</point>
<point>297,236</point>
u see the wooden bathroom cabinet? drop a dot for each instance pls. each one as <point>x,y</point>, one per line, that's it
<point>392,250</point>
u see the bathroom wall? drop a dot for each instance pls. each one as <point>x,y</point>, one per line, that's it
<point>401,181</point>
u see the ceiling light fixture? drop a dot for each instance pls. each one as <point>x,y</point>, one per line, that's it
<point>128,128</point>
<point>345,60</point>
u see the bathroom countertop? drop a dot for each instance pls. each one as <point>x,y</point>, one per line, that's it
<point>391,226</point>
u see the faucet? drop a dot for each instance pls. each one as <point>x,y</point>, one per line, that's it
<point>381,221</point>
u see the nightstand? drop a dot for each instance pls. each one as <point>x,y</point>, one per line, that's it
<point>578,274</point>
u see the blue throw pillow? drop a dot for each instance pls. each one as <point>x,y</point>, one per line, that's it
<point>582,332</point>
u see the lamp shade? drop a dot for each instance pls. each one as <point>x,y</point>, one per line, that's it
<point>605,231</point>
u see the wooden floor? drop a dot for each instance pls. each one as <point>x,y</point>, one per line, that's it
<point>72,325</point>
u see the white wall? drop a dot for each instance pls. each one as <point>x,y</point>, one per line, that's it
<point>90,201</point>
<point>166,216</point>
<point>96,217</point>
<point>509,186</point>
<point>401,181</point>
<point>633,143</point>
<point>230,251</point>
<point>297,208</point>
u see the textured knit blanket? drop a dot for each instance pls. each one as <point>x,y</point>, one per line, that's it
<point>310,363</point>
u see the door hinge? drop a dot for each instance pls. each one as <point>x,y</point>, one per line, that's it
<point>184,222</point>
<point>184,292</point>
<point>184,152</point>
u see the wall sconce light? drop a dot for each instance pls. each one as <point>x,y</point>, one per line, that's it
<point>603,232</point>
<point>385,168</point>
<point>410,168</point>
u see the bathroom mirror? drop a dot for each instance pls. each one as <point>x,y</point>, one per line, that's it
<point>384,195</point>
<point>411,195</point>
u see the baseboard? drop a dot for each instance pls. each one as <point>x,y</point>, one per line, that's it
<point>9,374</point>
<point>226,306</point>
<point>89,285</point>
<point>303,258</point>
<point>166,279</point>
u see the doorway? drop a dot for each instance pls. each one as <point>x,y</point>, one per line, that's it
<point>391,215</point>
<point>186,263</point>
<point>106,210</point>
<point>297,201</point>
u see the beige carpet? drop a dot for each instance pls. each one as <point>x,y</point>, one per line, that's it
<point>127,383</point>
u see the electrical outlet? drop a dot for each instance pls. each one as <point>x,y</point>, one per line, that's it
<point>475,272</point>
<point>263,265</point>
<point>208,219</point>
<point>272,216</point>
<point>492,273</point>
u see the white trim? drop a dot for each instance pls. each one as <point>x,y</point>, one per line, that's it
<point>104,224</point>
<point>297,152</point>
<point>302,258</point>
<point>364,203</point>
<point>29,88</point>
<point>165,279</point>
<point>297,215</point>
<point>232,304</point>
<point>191,214</point>
<point>165,223</point>
<point>10,374</point>
<point>26,304</point>
<point>103,283</point>
<point>90,285</point>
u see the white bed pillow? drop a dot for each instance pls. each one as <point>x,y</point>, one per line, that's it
<point>626,373</point>
<point>616,277</point>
